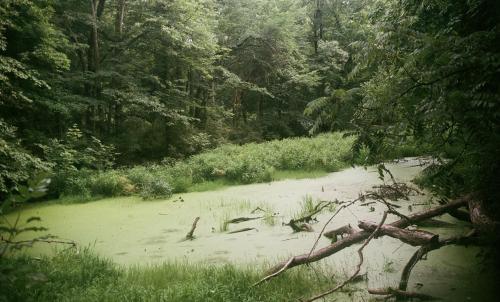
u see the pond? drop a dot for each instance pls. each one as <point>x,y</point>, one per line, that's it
<point>135,232</point>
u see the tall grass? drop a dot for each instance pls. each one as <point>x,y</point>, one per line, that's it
<point>228,164</point>
<point>85,277</point>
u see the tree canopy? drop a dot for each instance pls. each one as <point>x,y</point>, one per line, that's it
<point>92,84</point>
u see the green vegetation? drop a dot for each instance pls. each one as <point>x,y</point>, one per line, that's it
<point>225,165</point>
<point>151,98</point>
<point>71,276</point>
<point>309,206</point>
<point>90,89</point>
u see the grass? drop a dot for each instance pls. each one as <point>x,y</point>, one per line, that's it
<point>221,167</point>
<point>69,276</point>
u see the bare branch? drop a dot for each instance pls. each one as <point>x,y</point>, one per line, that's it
<point>358,267</point>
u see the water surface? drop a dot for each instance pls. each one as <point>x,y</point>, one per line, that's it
<point>135,232</point>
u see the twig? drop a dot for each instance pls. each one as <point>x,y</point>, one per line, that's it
<point>275,274</point>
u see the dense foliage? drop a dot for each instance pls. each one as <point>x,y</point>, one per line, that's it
<point>87,86</point>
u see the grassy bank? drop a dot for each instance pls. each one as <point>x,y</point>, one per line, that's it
<point>226,165</point>
<point>85,277</point>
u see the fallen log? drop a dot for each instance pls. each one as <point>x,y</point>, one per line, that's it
<point>343,230</point>
<point>190,234</point>
<point>415,238</point>
<point>399,293</point>
<point>362,235</point>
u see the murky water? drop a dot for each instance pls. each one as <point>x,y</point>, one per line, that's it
<point>132,231</point>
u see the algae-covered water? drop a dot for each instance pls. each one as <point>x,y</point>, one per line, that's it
<point>135,232</point>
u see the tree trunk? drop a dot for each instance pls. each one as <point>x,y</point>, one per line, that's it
<point>415,238</point>
<point>120,17</point>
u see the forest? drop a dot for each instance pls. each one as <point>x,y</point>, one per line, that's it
<point>275,133</point>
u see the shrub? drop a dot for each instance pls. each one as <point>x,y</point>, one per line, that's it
<point>140,176</point>
<point>180,177</point>
<point>71,183</point>
<point>111,184</point>
<point>156,189</point>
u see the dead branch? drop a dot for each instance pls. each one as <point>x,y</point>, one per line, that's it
<point>276,273</point>
<point>190,235</point>
<point>405,275</point>
<point>242,219</point>
<point>242,230</point>
<point>23,243</point>
<point>397,190</point>
<point>399,293</point>
<point>357,237</point>
<point>414,237</point>
<point>422,251</point>
<point>358,267</point>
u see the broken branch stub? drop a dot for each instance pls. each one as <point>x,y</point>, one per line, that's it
<point>190,234</point>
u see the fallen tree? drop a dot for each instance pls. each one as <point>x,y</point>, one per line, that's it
<point>359,236</point>
<point>397,229</point>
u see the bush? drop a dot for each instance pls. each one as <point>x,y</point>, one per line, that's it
<point>180,177</point>
<point>156,189</point>
<point>140,176</point>
<point>110,184</point>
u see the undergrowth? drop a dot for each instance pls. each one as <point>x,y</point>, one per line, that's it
<point>228,164</point>
<point>71,276</point>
